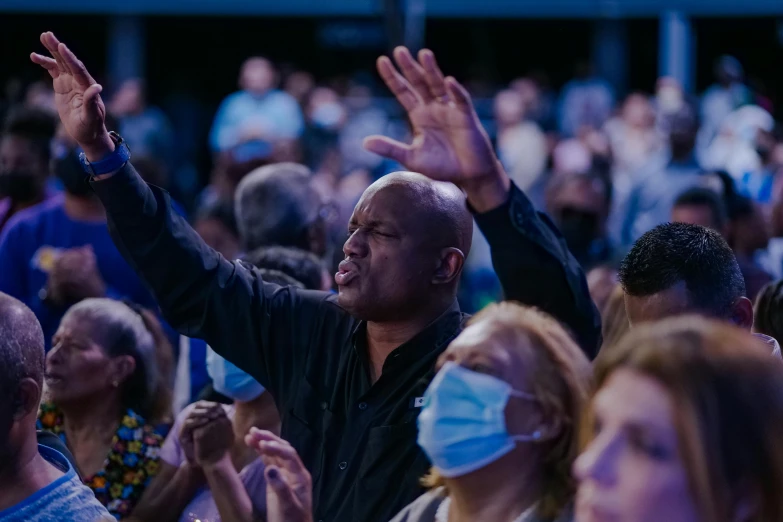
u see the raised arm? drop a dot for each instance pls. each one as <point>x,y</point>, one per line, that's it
<point>450,144</point>
<point>249,322</point>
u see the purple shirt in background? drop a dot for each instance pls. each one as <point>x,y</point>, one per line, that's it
<point>202,507</point>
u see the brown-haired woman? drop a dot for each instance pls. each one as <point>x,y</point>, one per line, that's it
<point>500,421</point>
<point>685,426</point>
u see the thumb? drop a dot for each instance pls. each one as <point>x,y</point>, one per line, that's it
<point>387,148</point>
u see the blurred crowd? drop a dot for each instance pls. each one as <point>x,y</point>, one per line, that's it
<point>517,423</point>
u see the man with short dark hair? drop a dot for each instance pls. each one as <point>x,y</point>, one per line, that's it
<point>348,372</point>
<point>24,161</point>
<point>679,268</point>
<point>37,483</point>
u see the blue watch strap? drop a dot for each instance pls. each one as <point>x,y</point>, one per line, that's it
<point>110,163</point>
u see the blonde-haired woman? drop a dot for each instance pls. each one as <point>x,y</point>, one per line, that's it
<point>500,421</point>
<point>685,427</point>
<point>500,424</point>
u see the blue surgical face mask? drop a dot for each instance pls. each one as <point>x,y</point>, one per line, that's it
<point>230,380</point>
<point>462,426</point>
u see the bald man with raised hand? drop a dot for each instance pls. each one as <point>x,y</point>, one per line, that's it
<point>37,482</point>
<point>347,372</point>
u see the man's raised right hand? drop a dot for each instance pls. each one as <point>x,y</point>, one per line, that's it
<point>77,96</point>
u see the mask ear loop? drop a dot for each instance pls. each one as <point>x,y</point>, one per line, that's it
<point>536,435</point>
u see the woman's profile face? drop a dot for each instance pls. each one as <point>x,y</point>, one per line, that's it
<point>77,367</point>
<point>632,470</point>
<point>478,348</point>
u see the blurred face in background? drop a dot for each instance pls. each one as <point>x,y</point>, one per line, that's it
<point>632,470</point>
<point>696,215</point>
<point>257,76</point>
<point>638,112</point>
<point>509,108</point>
<point>23,171</point>
<point>325,109</point>
<point>129,98</point>
<point>579,207</point>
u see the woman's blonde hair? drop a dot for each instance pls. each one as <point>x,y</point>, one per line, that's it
<point>727,391</point>
<point>561,379</point>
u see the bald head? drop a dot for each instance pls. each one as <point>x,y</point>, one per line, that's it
<point>21,361</point>
<point>440,209</point>
<point>407,241</point>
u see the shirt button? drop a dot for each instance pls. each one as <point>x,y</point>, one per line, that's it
<point>362,406</point>
<point>324,405</point>
<point>343,465</point>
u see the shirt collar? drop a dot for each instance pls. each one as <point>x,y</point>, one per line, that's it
<point>433,338</point>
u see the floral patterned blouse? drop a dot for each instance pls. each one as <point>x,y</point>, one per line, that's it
<point>129,466</point>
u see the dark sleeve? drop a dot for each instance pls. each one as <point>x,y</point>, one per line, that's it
<point>260,327</point>
<point>535,267</point>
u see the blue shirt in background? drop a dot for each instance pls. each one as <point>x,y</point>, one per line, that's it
<point>276,114</point>
<point>30,243</point>
<point>64,500</point>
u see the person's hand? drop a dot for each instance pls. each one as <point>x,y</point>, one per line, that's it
<point>77,96</point>
<point>75,276</point>
<point>449,142</point>
<point>289,496</point>
<point>207,435</point>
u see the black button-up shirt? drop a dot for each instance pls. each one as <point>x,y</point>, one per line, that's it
<point>357,439</point>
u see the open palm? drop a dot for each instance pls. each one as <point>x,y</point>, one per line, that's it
<point>77,94</point>
<point>449,142</point>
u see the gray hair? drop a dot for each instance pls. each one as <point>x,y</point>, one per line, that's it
<point>22,352</point>
<point>275,205</point>
<point>120,330</point>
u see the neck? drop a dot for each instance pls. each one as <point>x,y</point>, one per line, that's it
<point>385,337</point>
<point>499,492</point>
<point>84,208</point>
<point>91,418</point>
<point>23,473</point>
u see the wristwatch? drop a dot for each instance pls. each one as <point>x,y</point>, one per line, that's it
<point>110,163</point>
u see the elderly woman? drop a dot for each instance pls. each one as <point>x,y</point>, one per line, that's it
<point>500,423</point>
<point>685,427</point>
<point>103,388</point>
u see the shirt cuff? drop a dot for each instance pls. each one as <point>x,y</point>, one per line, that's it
<point>123,192</point>
<point>511,216</point>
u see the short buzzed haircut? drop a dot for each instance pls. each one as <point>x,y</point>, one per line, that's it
<point>275,205</point>
<point>693,254</point>
<point>704,197</point>
<point>22,352</point>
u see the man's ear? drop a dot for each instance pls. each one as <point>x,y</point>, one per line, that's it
<point>28,398</point>
<point>449,267</point>
<point>742,314</point>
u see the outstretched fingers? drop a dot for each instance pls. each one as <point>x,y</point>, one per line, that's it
<point>397,84</point>
<point>459,94</point>
<point>433,75</point>
<point>388,148</point>
<point>51,43</point>
<point>50,64</point>
<point>413,72</point>
<point>75,66</point>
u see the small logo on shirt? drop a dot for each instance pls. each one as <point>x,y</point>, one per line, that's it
<point>44,258</point>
